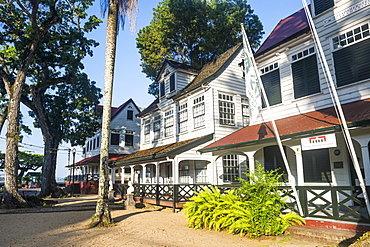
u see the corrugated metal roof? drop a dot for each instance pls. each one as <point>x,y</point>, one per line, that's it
<point>311,122</point>
<point>285,30</point>
<point>164,150</point>
<point>96,158</point>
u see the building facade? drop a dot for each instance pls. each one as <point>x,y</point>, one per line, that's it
<point>124,139</point>
<point>194,108</point>
<point>301,103</point>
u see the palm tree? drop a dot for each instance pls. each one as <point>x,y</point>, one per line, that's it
<point>117,11</point>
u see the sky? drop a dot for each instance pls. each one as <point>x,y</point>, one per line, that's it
<point>129,81</point>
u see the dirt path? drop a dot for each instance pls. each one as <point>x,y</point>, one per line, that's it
<point>135,227</point>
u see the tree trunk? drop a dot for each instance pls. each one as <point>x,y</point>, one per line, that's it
<point>11,196</point>
<point>51,138</point>
<point>102,214</point>
<point>48,183</point>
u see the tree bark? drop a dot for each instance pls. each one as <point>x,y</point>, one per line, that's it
<point>102,214</point>
<point>48,182</point>
<point>11,196</point>
<point>14,90</point>
<point>51,142</point>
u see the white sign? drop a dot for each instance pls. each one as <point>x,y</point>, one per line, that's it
<point>347,12</point>
<point>317,142</point>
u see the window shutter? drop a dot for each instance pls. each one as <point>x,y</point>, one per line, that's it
<point>322,5</point>
<point>305,77</point>
<point>352,63</point>
<point>271,83</point>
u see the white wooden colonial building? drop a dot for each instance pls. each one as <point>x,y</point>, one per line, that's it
<point>194,108</point>
<point>124,139</point>
<point>301,103</point>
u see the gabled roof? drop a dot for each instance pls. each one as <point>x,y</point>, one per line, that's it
<point>162,152</point>
<point>96,159</point>
<point>116,110</point>
<point>176,65</point>
<point>207,74</point>
<point>212,69</point>
<point>315,122</point>
<point>287,29</point>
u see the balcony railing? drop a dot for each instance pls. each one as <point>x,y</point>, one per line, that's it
<point>84,178</point>
<point>343,203</point>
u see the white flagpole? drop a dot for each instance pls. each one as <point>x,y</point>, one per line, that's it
<point>290,176</point>
<point>336,102</point>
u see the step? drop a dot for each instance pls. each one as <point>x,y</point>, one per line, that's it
<point>333,235</point>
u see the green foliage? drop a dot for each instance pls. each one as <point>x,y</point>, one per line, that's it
<point>362,241</point>
<point>254,209</point>
<point>42,46</point>
<point>194,32</point>
<point>201,210</point>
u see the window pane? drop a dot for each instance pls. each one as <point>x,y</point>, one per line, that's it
<point>130,115</point>
<point>230,168</point>
<point>129,140</point>
<point>316,165</point>
<point>114,139</point>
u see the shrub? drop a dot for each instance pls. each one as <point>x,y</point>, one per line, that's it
<point>254,209</point>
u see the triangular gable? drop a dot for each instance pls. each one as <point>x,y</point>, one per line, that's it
<point>175,65</point>
<point>116,110</point>
<point>212,69</point>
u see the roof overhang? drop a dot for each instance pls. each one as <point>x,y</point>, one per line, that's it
<point>164,152</point>
<point>298,126</point>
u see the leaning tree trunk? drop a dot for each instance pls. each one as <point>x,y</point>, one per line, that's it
<point>102,215</point>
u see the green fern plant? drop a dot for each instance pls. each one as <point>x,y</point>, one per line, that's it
<point>200,211</point>
<point>254,209</point>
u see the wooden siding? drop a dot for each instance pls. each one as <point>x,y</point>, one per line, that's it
<point>121,124</point>
<point>282,55</point>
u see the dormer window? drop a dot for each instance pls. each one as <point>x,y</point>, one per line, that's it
<point>161,89</point>
<point>172,83</point>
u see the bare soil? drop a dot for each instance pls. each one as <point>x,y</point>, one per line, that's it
<point>133,227</point>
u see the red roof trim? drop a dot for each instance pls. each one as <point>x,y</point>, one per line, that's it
<point>285,29</point>
<point>96,158</point>
<point>354,112</point>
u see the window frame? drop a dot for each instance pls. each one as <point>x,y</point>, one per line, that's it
<point>129,143</point>
<point>168,123</point>
<point>305,74</point>
<point>114,137</point>
<point>226,108</point>
<point>172,83</point>
<point>157,127</point>
<point>318,164</point>
<point>231,168</point>
<point>199,112</point>
<point>183,117</point>
<point>272,84</point>
<point>130,115</point>
<point>146,130</point>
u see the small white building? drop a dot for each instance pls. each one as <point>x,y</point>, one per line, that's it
<point>124,139</point>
